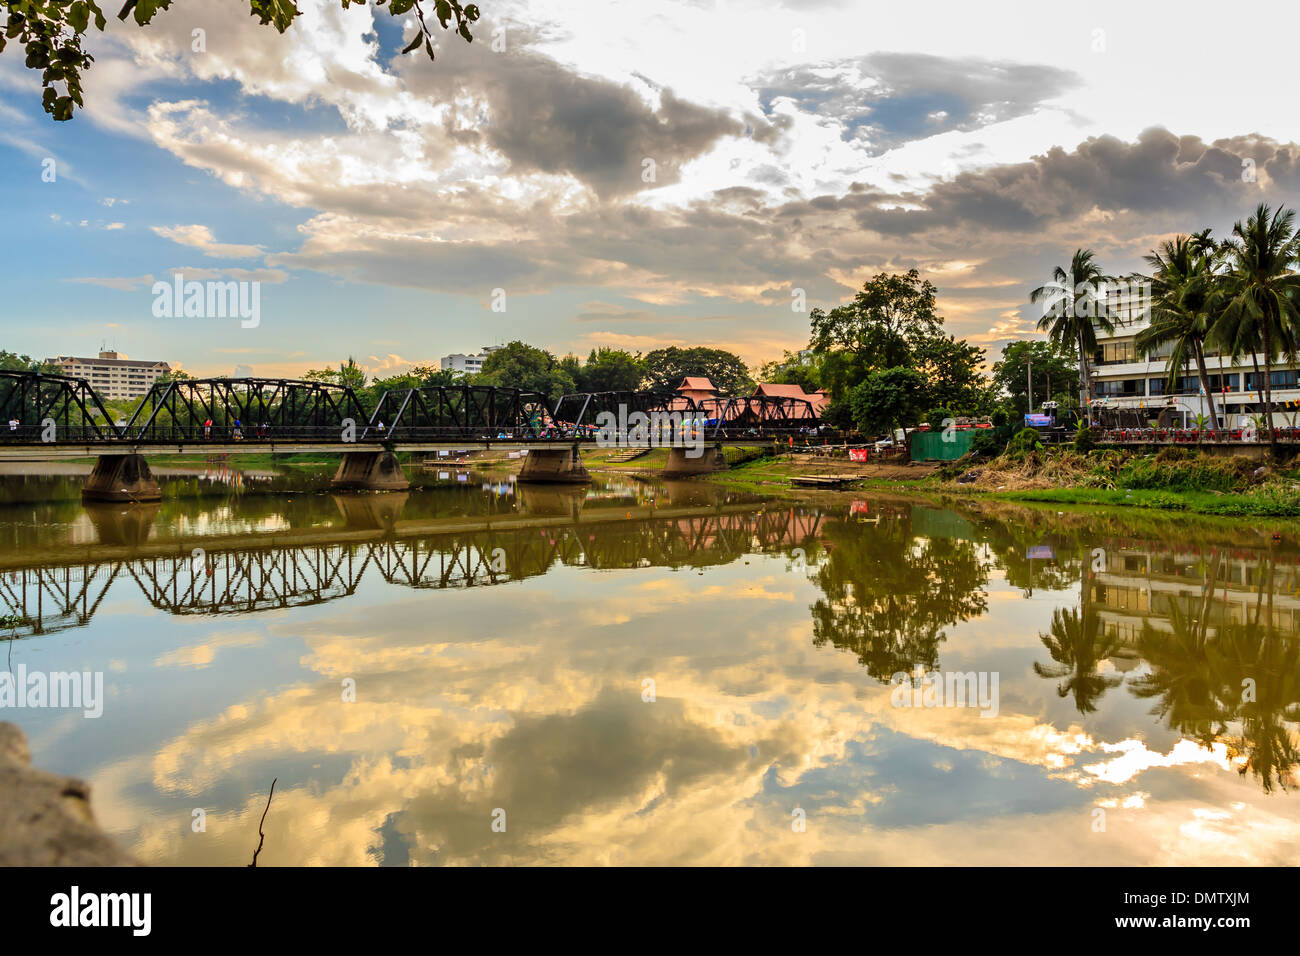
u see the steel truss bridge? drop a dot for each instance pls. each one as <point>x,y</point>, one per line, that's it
<point>48,598</point>
<point>57,416</point>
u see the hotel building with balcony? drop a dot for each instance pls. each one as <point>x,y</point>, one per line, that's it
<point>1124,379</point>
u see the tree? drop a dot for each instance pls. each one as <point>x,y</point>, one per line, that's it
<point>951,369</point>
<point>51,34</point>
<point>348,373</point>
<point>610,370</point>
<point>1259,295</point>
<point>1183,297</point>
<point>792,369</point>
<point>888,399</point>
<point>893,323</point>
<point>352,375</point>
<point>519,365</point>
<point>882,322</point>
<point>665,369</point>
<point>13,362</point>
<point>428,376</point>
<point>1048,365</point>
<point>1074,310</point>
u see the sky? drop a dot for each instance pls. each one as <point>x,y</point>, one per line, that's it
<point>615,173</point>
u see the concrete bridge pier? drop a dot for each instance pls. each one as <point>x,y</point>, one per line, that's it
<point>554,466</point>
<point>370,471</point>
<point>121,478</point>
<point>681,465</point>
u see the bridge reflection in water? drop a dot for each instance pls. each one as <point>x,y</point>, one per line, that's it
<point>210,577</point>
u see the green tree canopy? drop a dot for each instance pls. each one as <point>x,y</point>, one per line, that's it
<point>665,369</point>
<point>348,373</point>
<point>894,323</point>
<point>1054,370</point>
<point>951,368</point>
<point>13,362</point>
<point>519,365</point>
<point>883,322</point>
<point>1184,301</point>
<point>889,399</point>
<point>610,370</point>
<point>1260,293</point>
<point>793,369</point>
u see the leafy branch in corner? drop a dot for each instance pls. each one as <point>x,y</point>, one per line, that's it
<point>51,34</point>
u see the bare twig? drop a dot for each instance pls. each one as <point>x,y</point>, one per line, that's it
<point>260,835</point>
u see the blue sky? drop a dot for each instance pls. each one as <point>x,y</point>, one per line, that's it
<point>380,200</point>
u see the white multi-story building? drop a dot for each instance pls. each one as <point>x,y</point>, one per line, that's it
<point>113,376</point>
<point>1124,379</point>
<point>463,364</point>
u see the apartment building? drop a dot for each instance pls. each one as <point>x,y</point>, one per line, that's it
<point>112,375</point>
<point>463,364</point>
<point>1124,379</point>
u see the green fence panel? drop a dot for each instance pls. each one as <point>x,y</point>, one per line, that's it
<point>930,446</point>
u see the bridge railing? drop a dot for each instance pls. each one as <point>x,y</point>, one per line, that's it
<point>1194,436</point>
<point>39,434</point>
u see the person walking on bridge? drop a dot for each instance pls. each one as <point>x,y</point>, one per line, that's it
<point>207,429</point>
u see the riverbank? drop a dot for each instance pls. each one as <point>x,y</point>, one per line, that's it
<point>1173,479</point>
<point>1179,480</point>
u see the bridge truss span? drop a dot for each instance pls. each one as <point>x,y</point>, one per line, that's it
<point>30,402</point>
<point>451,412</point>
<point>244,409</point>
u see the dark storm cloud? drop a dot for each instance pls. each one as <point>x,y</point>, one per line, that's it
<point>890,98</point>
<point>1159,174</point>
<point>1016,219</point>
<point>543,116</point>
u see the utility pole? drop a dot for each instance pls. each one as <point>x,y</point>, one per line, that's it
<point>1029,383</point>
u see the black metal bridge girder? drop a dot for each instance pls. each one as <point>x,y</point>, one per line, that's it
<point>579,415</point>
<point>28,400</point>
<point>244,408</point>
<point>472,412</point>
<point>281,410</point>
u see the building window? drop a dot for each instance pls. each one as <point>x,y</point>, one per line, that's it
<point>1115,353</point>
<point>1281,378</point>
<point>1123,386</point>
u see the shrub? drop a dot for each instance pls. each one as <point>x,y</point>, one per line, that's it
<point>989,442</point>
<point>1023,443</point>
<point>937,418</point>
<point>1183,470</point>
<point>1085,439</point>
<point>999,418</point>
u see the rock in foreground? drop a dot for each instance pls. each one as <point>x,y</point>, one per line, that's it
<point>45,819</point>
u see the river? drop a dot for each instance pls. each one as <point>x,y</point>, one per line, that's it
<point>476,672</point>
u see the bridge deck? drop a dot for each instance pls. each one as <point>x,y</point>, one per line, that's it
<point>63,451</point>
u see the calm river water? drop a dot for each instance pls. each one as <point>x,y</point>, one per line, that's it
<point>633,674</point>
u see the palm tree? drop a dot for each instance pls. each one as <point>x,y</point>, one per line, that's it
<point>1074,309</point>
<point>1183,300</point>
<point>1259,295</point>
